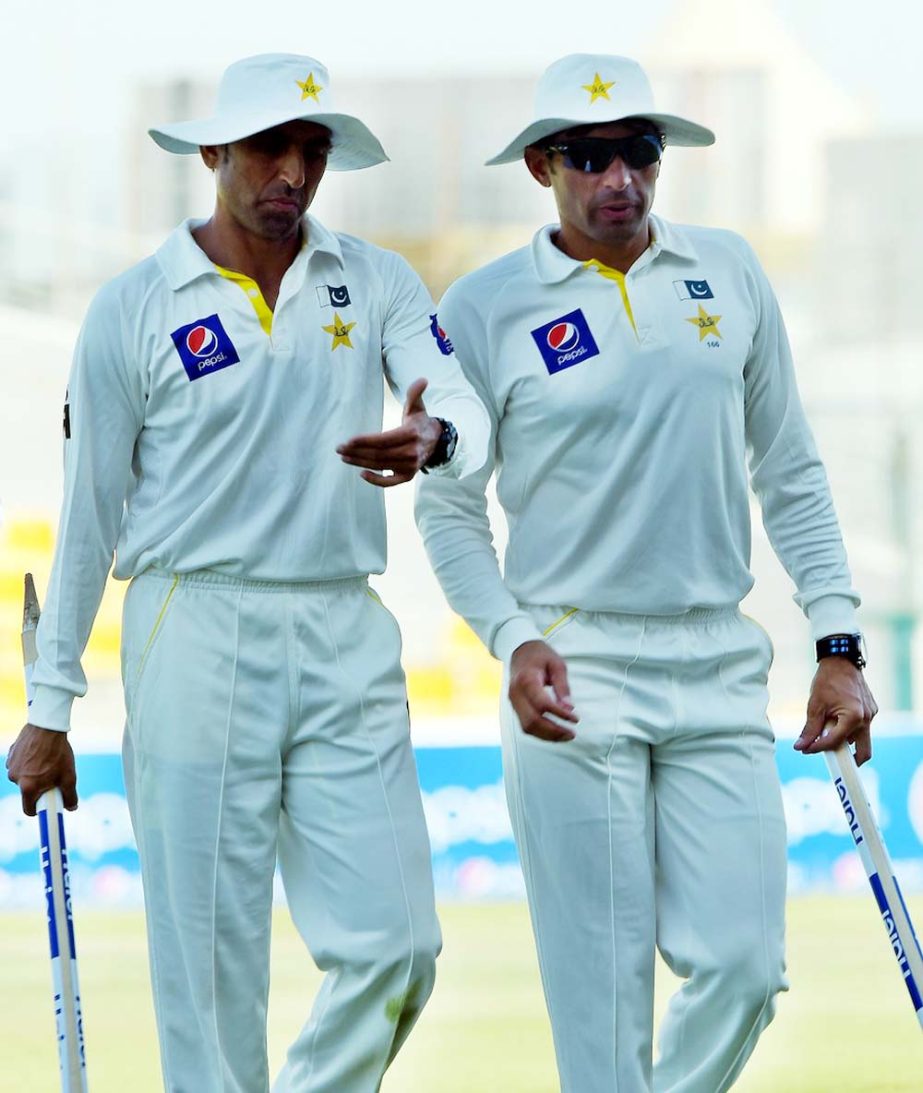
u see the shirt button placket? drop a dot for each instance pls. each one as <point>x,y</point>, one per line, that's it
<point>277,339</point>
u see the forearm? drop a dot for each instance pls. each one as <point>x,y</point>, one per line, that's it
<point>453,521</point>
<point>72,600</point>
<point>106,411</point>
<point>789,478</point>
<point>801,524</point>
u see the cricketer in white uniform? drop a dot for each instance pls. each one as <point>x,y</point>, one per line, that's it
<point>631,369</point>
<point>222,395</point>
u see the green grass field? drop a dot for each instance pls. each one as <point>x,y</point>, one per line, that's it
<point>845,1026</point>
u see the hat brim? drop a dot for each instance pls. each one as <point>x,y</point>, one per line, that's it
<point>353,147</point>
<point>677,131</point>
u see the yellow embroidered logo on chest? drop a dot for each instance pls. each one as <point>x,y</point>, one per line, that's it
<point>309,89</point>
<point>340,332</point>
<point>707,324</point>
<point>598,89</point>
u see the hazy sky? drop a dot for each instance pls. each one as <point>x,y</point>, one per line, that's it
<point>71,66</point>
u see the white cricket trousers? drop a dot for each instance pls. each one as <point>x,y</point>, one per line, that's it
<point>659,825</point>
<point>270,720</point>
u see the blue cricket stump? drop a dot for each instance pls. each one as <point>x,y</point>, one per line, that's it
<point>880,872</point>
<point>50,809</point>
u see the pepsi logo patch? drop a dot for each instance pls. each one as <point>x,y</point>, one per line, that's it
<point>565,342</point>
<point>442,339</point>
<point>204,347</point>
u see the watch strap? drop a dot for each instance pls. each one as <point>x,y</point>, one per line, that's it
<point>445,446</point>
<point>842,645</point>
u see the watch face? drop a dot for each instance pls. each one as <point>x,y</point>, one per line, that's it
<point>848,646</point>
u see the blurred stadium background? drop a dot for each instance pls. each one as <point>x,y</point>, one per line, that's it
<point>818,163</point>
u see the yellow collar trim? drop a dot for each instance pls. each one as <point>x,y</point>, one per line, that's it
<point>614,275</point>
<point>254,295</point>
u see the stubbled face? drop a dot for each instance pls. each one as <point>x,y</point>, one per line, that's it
<point>267,181</point>
<point>601,213</point>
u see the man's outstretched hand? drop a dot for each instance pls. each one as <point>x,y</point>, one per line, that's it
<point>401,451</point>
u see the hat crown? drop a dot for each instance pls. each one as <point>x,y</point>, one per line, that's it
<point>593,87</point>
<point>270,89</point>
<point>275,81</point>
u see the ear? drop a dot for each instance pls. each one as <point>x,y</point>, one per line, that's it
<point>209,154</point>
<point>538,165</point>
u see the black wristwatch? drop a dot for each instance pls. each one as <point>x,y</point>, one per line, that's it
<point>842,645</point>
<point>445,446</point>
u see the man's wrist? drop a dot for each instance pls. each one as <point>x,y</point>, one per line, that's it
<point>847,646</point>
<point>51,708</point>
<point>516,631</point>
<point>445,446</point>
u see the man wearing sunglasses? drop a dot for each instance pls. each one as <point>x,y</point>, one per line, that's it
<point>632,369</point>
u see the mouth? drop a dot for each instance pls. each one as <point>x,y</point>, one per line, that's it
<point>616,212</point>
<point>286,205</point>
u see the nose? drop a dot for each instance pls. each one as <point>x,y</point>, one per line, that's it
<point>292,167</point>
<point>617,176</point>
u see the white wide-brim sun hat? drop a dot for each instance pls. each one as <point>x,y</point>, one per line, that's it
<point>271,89</point>
<point>594,89</point>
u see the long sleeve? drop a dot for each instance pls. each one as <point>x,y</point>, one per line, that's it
<point>106,407</point>
<point>452,514</point>
<point>789,478</point>
<point>414,348</point>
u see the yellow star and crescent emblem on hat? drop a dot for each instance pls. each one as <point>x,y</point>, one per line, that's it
<point>340,332</point>
<point>707,324</point>
<point>598,89</point>
<point>309,89</point>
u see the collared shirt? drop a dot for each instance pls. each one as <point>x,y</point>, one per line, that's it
<point>200,441</point>
<point>623,419</point>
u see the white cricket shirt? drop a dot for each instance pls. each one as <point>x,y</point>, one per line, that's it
<point>625,411</point>
<point>199,441</point>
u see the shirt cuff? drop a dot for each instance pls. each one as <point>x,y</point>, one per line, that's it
<point>832,615</point>
<point>513,633</point>
<point>51,709</point>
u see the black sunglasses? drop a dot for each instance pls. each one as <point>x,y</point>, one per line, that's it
<point>593,155</point>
